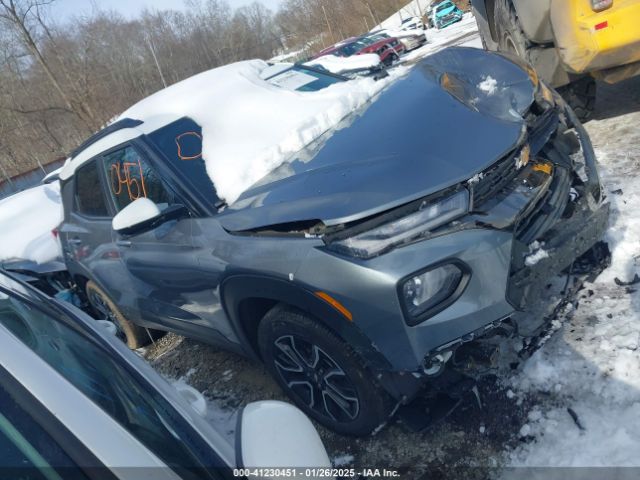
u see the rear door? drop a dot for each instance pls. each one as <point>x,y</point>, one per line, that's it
<point>86,233</point>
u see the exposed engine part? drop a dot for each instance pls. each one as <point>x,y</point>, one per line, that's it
<point>435,364</point>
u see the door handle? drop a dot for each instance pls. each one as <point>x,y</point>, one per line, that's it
<point>75,241</point>
<point>123,243</point>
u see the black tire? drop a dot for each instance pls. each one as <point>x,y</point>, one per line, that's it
<point>131,334</point>
<point>391,59</point>
<point>581,96</point>
<point>511,38</point>
<point>309,361</point>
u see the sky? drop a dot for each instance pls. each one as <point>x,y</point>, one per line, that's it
<point>64,9</point>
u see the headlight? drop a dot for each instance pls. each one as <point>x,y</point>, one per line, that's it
<point>429,217</point>
<point>431,290</point>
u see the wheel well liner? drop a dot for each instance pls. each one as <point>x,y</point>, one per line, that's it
<point>247,298</point>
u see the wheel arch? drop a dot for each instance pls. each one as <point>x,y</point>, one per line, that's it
<point>484,10</point>
<point>247,298</point>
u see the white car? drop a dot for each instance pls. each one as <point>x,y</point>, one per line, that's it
<point>412,23</point>
<point>77,403</point>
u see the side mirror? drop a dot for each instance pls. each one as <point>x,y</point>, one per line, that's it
<point>275,434</point>
<point>143,214</point>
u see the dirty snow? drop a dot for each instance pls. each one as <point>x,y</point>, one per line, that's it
<point>251,125</point>
<point>336,64</point>
<point>589,371</point>
<point>28,217</point>
<point>535,257</point>
<point>222,419</point>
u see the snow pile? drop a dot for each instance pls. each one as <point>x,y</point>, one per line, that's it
<point>537,254</point>
<point>404,33</point>
<point>249,126</point>
<point>222,420</point>
<point>590,370</point>
<point>336,64</point>
<point>28,218</point>
<point>489,85</point>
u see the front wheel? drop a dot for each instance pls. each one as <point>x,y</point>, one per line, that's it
<point>581,96</point>
<point>321,373</point>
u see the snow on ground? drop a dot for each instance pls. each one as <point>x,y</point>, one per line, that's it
<point>592,365</point>
<point>462,33</point>
<point>262,126</point>
<point>31,215</point>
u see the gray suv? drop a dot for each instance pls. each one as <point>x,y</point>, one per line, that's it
<point>356,270</point>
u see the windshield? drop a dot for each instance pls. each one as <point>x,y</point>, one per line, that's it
<point>354,47</point>
<point>444,6</point>
<point>180,142</point>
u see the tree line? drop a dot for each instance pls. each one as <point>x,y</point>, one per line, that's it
<point>62,81</point>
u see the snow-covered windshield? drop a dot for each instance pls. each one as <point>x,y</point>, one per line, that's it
<point>303,79</point>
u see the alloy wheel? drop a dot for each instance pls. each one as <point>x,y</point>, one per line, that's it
<point>316,378</point>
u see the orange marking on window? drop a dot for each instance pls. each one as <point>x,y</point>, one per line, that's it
<point>187,134</point>
<point>335,304</point>
<point>136,187</point>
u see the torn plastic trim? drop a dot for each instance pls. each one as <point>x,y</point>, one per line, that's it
<point>302,229</point>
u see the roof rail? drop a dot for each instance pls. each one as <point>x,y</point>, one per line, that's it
<point>114,127</point>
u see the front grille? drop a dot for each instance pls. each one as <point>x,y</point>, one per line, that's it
<point>502,174</point>
<point>495,179</point>
<point>547,210</point>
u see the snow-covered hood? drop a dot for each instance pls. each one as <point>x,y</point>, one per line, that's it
<point>440,125</point>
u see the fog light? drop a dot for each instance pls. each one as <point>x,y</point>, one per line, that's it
<point>429,290</point>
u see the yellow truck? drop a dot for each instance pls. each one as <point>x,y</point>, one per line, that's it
<point>569,42</point>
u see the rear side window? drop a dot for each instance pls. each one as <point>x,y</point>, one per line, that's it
<point>89,195</point>
<point>131,177</point>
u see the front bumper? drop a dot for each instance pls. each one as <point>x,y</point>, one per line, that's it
<point>448,20</point>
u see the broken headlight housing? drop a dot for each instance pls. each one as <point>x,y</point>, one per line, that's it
<point>428,217</point>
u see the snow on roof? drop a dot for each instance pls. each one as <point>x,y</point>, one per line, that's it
<point>249,127</point>
<point>336,64</point>
<point>30,216</point>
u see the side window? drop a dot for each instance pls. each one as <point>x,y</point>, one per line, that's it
<point>100,375</point>
<point>131,177</point>
<point>27,450</point>
<point>90,199</point>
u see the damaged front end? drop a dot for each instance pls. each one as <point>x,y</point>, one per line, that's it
<point>548,194</point>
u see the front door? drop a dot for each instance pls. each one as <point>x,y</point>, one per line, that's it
<point>166,283</point>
